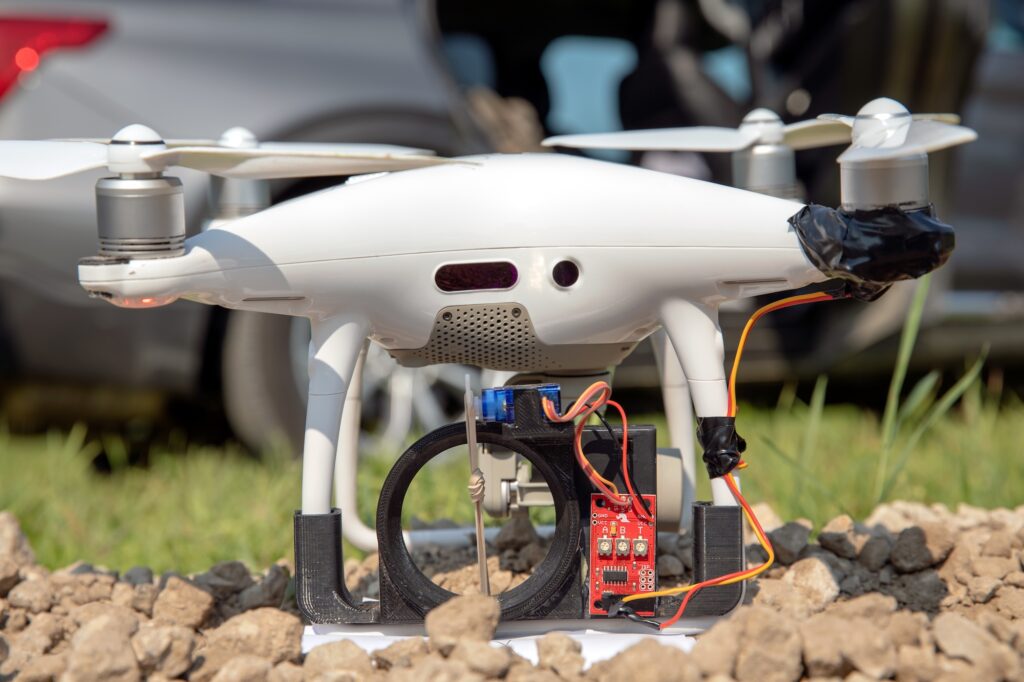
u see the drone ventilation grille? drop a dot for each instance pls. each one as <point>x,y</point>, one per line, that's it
<point>497,336</point>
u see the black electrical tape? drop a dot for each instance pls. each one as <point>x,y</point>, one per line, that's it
<point>722,445</point>
<point>873,248</point>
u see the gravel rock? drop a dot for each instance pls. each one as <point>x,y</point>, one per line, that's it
<point>922,591</point>
<point>815,581</point>
<point>772,648</point>
<point>13,543</point>
<point>401,654</point>
<point>472,617</point>
<point>269,591</point>
<point>182,603</point>
<point>958,637</point>
<point>123,619</point>
<point>920,547</point>
<point>560,653</point>
<point>982,589</point>
<point>670,566</point>
<point>517,533</point>
<point>8,575</point>
<point>337,656</point>
<point>45,668</point>
<point>843,537</point>
<point>165,649</point>
<point>875,552</point>
<point>225,579</point>
<point>482,658</point>
<point>269,633</point>
<point>789,540</point>
<point>245,668</point>
<point>43,633</point>
<point>35,596</point>
<point>101,650</point>
<point>285,672</point>
<point>672,665</point>
<point>716,650</point>
<point>138,575</point>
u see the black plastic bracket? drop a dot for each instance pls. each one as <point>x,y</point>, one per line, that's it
<point>717,551</point>
<point>319,582</point>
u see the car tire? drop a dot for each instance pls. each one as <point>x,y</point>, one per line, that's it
<point>261,397</point>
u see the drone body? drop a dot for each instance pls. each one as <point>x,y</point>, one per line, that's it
<point>520,263</point>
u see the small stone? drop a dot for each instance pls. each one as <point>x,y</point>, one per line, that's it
<point>225,579</point>
<point>771,648</point>
<point>981,589</point>
<point>1000,544</point>
<point>269,633</point>
<point>782,597</point>
<point>921,591</point>
<point>269,591</point>
<point>906,628</point>
<point>182,603</point>
<point>559,652</point>
<point>815,581</point>
<point>8,575</point>
<point>842,537</point>
<point>138,575</point>
<point>35,596</point>
<point>285,672</point>
<point>5,649</point>
<point>958,637</point>
<point>481,657</point>
<point>13,543</point>
<point>1016,579</point>
<point>101,650</point>
<point>788,541</point>
<point>875,552</point>
<point>670,566</point>
<point>916,664</point>
<point>472,617</point>
<point>341,655</point>
<point>517,533</point>
<point>401,654</point>
<point>654,662</point>
<point>993,567</point>
<point>144,598</point>
<point>43,633</point>
<point>245,668</point>
<point>1010,602</point>
<point>46,668</point>
<point>124,619</point>
<point>874,607</point>
<point>716,650</point>
<point>920,547</point>
<point>165,649</point>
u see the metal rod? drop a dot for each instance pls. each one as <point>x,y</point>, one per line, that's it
<point>476,488</point>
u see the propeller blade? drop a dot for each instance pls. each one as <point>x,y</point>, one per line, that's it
<point>344,148</point>
<point>816,132</point>
<point>953,119</point>
<point>268,164</point>
<point>842,118</point>
<point>48,159</point>
<point>695,139</point>
<point>921,137</point>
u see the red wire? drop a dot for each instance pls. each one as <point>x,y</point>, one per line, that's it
<point>637,506</point>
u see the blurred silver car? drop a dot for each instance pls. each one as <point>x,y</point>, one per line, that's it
<point>312,70</point>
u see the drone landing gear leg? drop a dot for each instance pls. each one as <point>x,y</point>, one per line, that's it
<point>346,468</point>
<point>679,414</point>
<point>319,581</point>
<point>718,528</point>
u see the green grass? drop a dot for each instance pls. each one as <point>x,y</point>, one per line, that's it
<point>194,506</point>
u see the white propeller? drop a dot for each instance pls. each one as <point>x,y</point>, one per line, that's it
<point>884,129</point>
<point>760,126</point>
<point>138,149</point>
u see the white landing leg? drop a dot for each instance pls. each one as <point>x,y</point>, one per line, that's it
<point>334,352</point>
<point>346,467</point>
<point>675,395</point>
<point>694,332</point>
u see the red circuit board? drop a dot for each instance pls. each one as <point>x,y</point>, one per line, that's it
<point>619,571</point>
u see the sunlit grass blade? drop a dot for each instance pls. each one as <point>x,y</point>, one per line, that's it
<point>920,398</point>
<point>810,439</point>
<point>938,410</point>
<point>908,338</point>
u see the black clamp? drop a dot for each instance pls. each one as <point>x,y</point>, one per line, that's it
<point>722,445</point>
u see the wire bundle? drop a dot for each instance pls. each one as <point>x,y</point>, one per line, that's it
<point>762,537</point>
<point>596,396</point>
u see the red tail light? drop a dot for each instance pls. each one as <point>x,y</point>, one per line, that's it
<point>24,40</point>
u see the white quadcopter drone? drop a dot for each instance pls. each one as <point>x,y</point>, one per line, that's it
<point>546,266</point>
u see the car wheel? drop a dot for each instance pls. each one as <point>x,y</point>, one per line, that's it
<point>261,396</point>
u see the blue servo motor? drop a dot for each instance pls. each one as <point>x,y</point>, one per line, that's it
<point>498,404</point>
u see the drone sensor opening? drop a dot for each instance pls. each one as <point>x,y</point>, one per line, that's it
<point>495,275</point>
<point>565,273</point>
